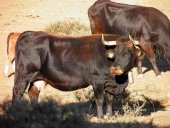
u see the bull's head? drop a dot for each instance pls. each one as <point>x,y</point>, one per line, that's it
<point>124,55</point>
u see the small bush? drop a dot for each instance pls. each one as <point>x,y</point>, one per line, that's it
<point>84,95</point>
<point>72,28</point>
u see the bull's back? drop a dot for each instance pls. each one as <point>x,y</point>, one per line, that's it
<point>11,42</point>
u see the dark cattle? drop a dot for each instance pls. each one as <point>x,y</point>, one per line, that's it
<point>70,63</point>
<point>147,25</point>
<point>11,43</point>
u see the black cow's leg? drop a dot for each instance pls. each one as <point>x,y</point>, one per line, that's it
<point>33,93</point>
<point>21,82</point>
<point>109,100</point>
<point>19,89</point>
<point>147,48</point>
<point>34,90</point>
<point>98,93</point>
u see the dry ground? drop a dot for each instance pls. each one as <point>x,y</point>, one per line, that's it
<point>21,15</point>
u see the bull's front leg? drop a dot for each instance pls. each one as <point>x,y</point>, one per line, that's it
<point>147,48</point>
<point>98,94</point>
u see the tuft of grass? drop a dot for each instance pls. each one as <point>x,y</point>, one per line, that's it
<point>69,27</point>
<point>129,112</point>
<point>84,95</point>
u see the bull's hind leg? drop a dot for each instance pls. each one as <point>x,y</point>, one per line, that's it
<point>19,89</point>
<point>34,90</point>
<point>6,69</point>
<point>20,84</point>
<point>147,48</point>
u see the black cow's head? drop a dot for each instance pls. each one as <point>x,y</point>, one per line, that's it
<point>124,55</point>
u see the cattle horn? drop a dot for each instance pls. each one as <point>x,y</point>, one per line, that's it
<point>108,43</point>
<point>135,42</point>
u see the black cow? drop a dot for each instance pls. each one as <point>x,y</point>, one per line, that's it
<point>146,25</point>
<point>70,63</point>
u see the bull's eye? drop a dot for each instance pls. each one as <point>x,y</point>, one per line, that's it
<point>110,54</point>
<point>125,55</point>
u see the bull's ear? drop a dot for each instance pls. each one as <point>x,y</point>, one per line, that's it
<point>110,54</point>
<point>108,43</point>
<point>139,52</point>
<point>135,42</point>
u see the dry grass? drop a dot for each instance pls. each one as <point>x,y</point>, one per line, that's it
<point>69,27</point>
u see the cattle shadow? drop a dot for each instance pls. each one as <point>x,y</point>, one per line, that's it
<point>147,106</point>
<point>122,125</point>
<point>161,63</point>
<point>50,114</point>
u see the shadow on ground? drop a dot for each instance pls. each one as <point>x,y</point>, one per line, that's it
<point>144,107</point>
<point>147,106</point>
<point>161,63</point>
<point>49,114</point>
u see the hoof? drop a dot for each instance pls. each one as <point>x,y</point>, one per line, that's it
<point>140,75</point>
<point>107,116</point>
<point>159,76</point>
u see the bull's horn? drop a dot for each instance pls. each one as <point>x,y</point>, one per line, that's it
<point>109,43</point>
<point>135,42</point>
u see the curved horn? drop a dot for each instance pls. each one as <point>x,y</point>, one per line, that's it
<point>109,43</point>
<point>135,42</point>
<point>103,41</point>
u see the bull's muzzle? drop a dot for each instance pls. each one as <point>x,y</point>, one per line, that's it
<point>116,70</point>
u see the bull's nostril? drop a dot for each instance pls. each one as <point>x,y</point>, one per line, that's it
<point>116,70</point>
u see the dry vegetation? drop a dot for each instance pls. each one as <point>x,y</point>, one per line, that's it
<point>69,27</point>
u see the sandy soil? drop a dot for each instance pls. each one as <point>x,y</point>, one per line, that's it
<point>21,15</point>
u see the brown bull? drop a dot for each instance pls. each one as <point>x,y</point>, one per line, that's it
<point>11,43</point>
